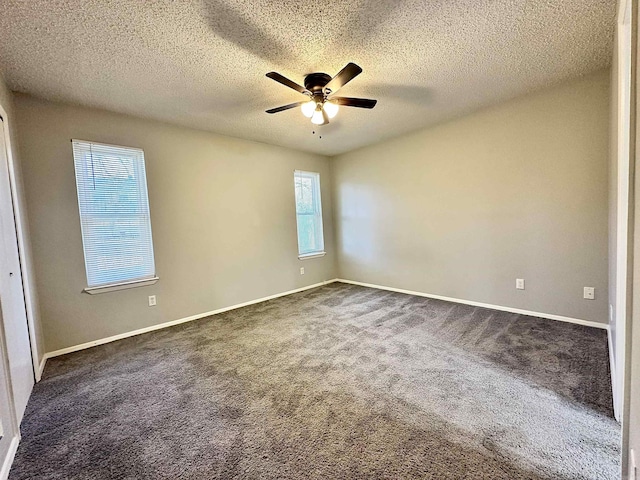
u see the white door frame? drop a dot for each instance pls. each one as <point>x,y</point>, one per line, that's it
<point>19,215</point>
<point>623,218</point>
<point>627,23</point>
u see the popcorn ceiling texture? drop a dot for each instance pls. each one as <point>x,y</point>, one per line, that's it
<point>202,63</point>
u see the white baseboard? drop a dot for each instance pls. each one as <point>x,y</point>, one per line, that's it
<point>550,316</point>
<point>8,460</point>
<point>160,326</point>
<point>612,367</point>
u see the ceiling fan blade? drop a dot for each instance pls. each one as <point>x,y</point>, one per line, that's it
<point>354,102</point>
<point>344,76</point>
<point>285,107</point>
<point>289,83</point>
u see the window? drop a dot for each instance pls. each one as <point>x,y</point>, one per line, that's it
<point>309,214</point>
<point>114,215</point>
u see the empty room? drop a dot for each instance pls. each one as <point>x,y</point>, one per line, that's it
<point>319,240</point>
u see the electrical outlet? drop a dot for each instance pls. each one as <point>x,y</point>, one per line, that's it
<point>520,283</point>
<point>633,470</point>
<point>589,293</point>
<point>152,300</point>
<point>301,270</point>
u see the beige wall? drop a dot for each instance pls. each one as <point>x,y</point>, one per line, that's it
<point>7,103</point>
<point>222,214</point>
<point>464,208</point>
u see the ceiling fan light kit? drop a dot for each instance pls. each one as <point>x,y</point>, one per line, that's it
<point>318,117</point>
<point>320,88</point>
<point>308,108</point>
<point>331,108</point>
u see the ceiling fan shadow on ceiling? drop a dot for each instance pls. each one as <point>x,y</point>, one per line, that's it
<point>322,105</point>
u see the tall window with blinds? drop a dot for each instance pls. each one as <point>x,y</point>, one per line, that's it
<point>114,214</point>
<point>309,213</point>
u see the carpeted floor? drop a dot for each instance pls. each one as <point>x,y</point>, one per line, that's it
<point>337,382</point>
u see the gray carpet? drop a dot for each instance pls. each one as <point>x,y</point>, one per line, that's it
<point>336,382</point>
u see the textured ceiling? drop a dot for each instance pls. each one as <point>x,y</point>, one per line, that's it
<point>202,63</point>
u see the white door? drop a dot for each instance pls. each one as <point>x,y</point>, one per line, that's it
<point>8,428</point>
<point>14,313</point>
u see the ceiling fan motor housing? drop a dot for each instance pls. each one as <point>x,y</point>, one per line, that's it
<point>315,82</point>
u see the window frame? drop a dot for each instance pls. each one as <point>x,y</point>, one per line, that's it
<point>123,283</point>
<point>317,213</point>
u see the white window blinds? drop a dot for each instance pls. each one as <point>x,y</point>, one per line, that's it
<point>308,213</point>
<point>114,213</point>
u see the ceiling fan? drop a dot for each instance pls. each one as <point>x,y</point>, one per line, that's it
<point>320,88</point>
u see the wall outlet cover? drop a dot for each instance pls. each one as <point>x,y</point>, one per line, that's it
<point>152,300</point>
<point>589,293</point>
<point>520,283</point>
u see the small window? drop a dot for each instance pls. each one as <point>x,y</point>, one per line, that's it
<point>114,214</point>
<point>309,214</point>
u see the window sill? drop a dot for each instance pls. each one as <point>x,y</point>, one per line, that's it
<point>120,286</point>
<point>307,256</point>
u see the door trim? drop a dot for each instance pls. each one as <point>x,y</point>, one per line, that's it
<point>8,461</point>
<point>631,9</point>
<point>20,214</point>
<point>623,187</point>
